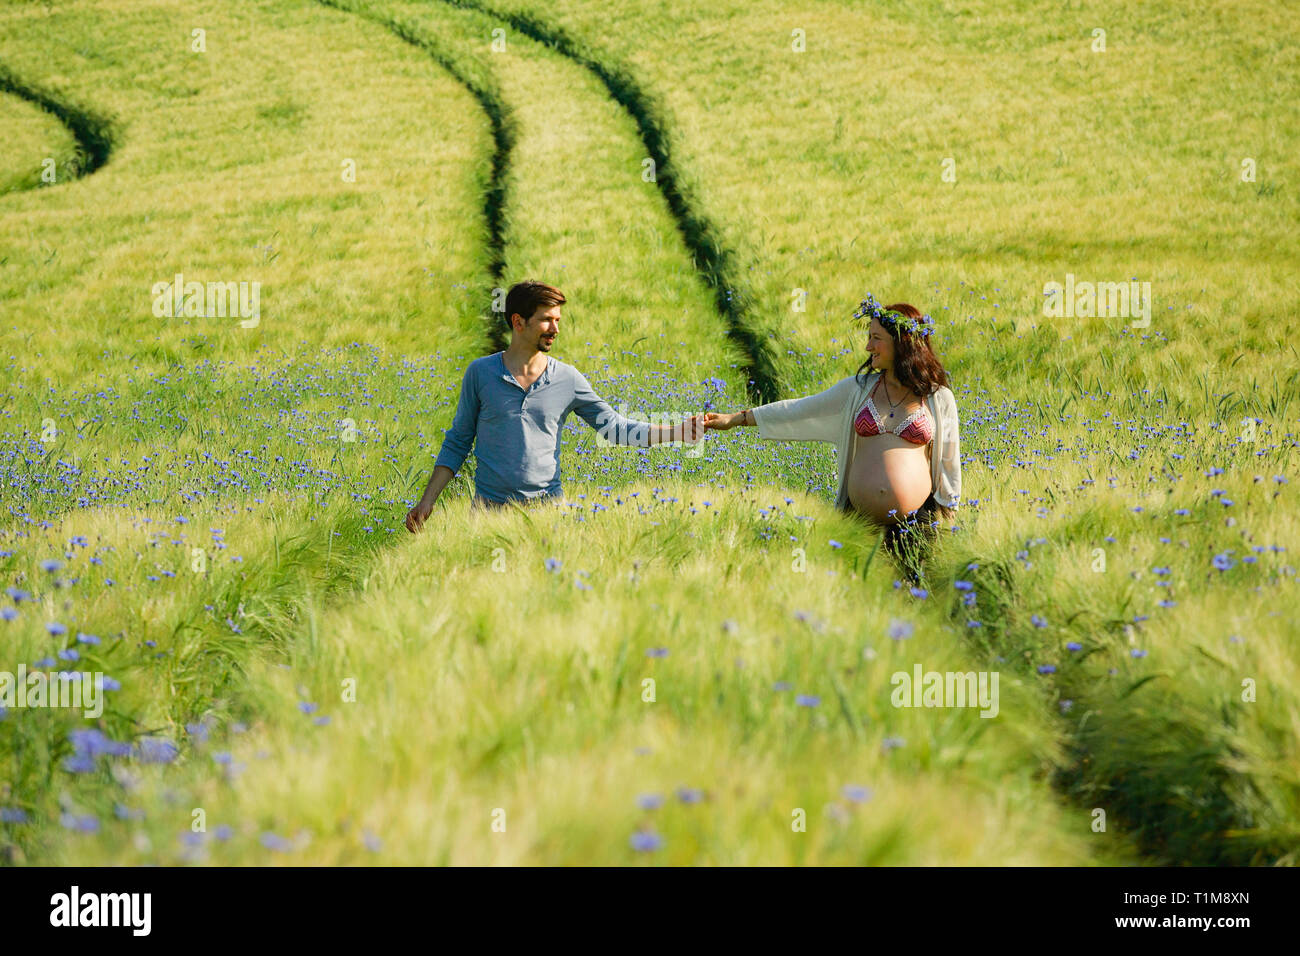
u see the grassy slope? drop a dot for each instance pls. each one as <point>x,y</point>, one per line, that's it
<point>1190,781</point>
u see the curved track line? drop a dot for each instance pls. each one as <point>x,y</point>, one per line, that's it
<point>94,133</point>
<point>503,138</point>
<point>712,258</point>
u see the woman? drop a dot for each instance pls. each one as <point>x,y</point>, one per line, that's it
<point>895,430</point>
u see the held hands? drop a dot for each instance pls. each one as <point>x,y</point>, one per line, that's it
<point>690,430</point>
<point>693,429</point>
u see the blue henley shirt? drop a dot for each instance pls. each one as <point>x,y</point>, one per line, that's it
<point>516,433</point>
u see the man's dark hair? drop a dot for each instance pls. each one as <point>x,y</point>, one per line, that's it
<point>525,298</point>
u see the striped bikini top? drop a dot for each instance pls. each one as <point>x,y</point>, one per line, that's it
<point>916,427</point>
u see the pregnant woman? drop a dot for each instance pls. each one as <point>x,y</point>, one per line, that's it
<point>894,426</point>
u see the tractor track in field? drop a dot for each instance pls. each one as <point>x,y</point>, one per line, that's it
<point>94,134</point>
<point>504,137</point>
<point>710,255</point>
<point>712,260</point>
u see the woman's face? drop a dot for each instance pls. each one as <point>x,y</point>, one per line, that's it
<point>880,345</point>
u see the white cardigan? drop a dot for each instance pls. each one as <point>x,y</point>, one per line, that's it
<point>828,416</point>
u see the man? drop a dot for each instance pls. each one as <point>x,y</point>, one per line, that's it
<point>513,405</point>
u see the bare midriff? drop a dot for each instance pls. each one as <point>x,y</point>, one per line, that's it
<point>887,473</point>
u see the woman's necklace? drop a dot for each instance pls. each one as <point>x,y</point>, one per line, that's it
<point>892,403</point>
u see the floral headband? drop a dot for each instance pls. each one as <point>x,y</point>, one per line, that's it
<point>895,322</point>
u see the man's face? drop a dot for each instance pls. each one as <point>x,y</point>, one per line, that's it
<point>541,329</point>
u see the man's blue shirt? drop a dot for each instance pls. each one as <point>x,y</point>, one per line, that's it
<point>516,433</point>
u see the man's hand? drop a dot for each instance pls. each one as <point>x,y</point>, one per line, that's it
<point>416,517</point>
<point>693,429</point>
<point>690,430</point>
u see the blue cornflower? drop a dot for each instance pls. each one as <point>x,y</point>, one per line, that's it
<point>807,700</point>
<point>657,652</point>
<point>899,629</point>
<point>644,841</point>
<point>273,841</point>
<point>650,801</point>
<point>156,750</point>
<point>856,794</point>
<point>80,822</point>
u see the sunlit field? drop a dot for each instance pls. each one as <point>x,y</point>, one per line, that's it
<point>690,660</point>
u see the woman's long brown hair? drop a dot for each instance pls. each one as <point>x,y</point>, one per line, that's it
<point>915,363</point>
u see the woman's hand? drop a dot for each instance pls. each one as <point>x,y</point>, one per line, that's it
<point>721,421</point>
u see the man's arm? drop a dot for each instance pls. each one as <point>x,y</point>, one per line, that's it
<point>455,448</point>
<point>616,428</point>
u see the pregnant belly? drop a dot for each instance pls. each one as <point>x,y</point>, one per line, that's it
<point>888,473</point>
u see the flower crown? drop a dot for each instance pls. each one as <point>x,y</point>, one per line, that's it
<point>895,322</point>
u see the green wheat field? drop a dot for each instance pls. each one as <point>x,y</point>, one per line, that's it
<point>689,660</point>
